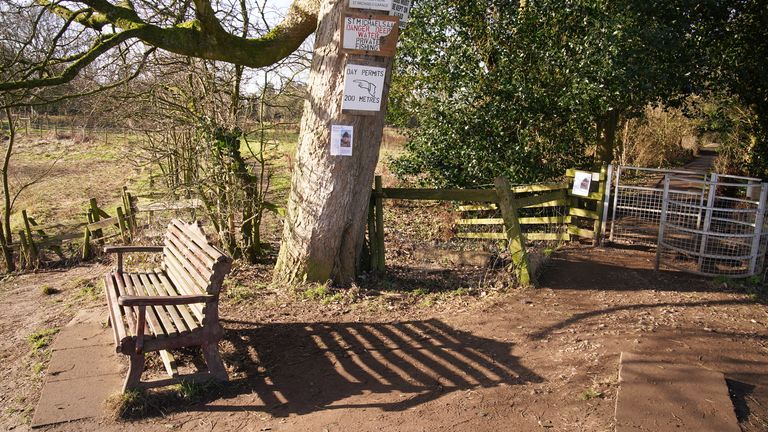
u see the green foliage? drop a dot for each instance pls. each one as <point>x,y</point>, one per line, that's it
<point>496,89</point>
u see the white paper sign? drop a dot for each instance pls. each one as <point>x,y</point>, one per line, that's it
<point>581,182</point>
<point>365,33</point>
<point>383,5</point>
<point>401,9</point>
<point>341,140</point>
<point>363,87</point>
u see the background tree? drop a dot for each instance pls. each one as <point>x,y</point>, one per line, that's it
<point>500,88</point>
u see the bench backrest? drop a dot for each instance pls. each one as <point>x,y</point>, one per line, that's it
<point>192,263</point>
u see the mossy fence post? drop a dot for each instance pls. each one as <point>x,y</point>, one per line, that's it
<point>515,240</point>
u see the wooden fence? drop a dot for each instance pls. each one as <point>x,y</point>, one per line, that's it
<point>544,212</point>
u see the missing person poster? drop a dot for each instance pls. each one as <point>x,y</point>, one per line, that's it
<point>581,182</point>
<point>341,140</point>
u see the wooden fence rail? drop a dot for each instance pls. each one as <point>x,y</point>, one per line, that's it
<point>518,206</point>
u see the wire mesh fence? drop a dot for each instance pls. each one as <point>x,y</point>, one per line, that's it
<point>638,199</point>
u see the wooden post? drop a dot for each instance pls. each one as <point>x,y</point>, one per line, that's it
<point>516,242</point>
<point>601,188</point>
<point>24,260</point>
<point>87,237</point>
<point>30,241</point>
<point>380,250</point>
<point>124,233</point>
<point>95,217</point>
<point>372,248</point>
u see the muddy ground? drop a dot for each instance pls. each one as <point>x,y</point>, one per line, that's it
<point>379,358</point>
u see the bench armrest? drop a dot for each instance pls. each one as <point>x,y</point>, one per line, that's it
<point>120,250</point>
<point>130,300</point>
<point>124,249</point>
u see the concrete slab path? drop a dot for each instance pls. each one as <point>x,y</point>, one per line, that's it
<point>84,371</point>
<point>660,396</point>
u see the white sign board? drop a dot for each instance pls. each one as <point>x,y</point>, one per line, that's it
<point>366,34</point>
<point>341,140</point>
<point>401,9</point>
<point>382,5</point>
<point>581,182</point>
<point>363,87</point>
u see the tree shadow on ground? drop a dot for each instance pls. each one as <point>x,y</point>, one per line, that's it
<point>574,273</point>
<point>300,368</point>
<point>407,279</point>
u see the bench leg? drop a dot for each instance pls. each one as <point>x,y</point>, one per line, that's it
<point>213,360</point>
<point>136,367</point>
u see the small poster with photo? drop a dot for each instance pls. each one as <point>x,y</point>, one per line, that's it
<point>582,180</point>
<point>341,140</point>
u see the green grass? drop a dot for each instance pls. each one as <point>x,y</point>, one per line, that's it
<point>49,290</point>
<point>41,339</point>
<point>590,393</point>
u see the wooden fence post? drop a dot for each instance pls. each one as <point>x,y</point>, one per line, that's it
<point>87,235</point>
<point>124,233</point>
<point>372,248</point>
<point>23,250</point>
<point>380,250</point>
<point>31,247</point>
<point>598,225</point>
<point>95,216</point>
<point>515,240</point>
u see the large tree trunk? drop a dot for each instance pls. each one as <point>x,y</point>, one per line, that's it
<point>328,204</point>
<point>606,136</point>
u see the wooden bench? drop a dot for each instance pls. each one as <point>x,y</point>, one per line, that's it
<point>171,307</point>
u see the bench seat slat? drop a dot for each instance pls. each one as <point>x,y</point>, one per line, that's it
<point>153,323</point>
<point>175,312</point>
<point>162,312</point>
<point>115,314</point>
<point>196,309</point>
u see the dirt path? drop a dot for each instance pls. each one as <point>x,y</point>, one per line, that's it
<point>527,360</point>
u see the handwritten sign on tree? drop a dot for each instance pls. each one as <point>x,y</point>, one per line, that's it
<point>369,34</point>
<point>363,88</point>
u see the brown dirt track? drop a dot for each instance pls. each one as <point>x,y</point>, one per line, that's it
<point>523,360</point>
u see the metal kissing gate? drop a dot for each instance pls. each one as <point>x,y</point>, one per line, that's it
<point>707,224</point>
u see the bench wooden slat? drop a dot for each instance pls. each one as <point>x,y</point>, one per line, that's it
<point>115,314</point>
<point>180,278</point>
<point>206,259</point>
<point>196,309</point>
<point>195,268</point>
<point>152,321</point>
<point>194,234</point>
<point>174,311</point>
<point>128,313</point>
<point>182,270</point>
<point>161,312</point>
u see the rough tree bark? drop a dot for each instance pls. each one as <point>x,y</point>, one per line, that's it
<point>327,207</point>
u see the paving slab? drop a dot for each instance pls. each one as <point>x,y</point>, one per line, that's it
<point>659,396</point>
<point>69,400</point>
<point>84,371</point>
<point>82,362</point>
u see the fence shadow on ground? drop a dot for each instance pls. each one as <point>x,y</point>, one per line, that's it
<point>299,368</point>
